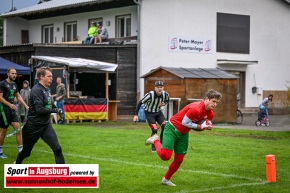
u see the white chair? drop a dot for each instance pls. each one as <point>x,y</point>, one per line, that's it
<point>53,116</point>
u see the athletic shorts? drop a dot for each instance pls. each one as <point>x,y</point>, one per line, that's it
<point>152,118</point>
<point>174,140</point>
<point>7,116</point>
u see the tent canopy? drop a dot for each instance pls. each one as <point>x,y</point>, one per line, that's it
<point>79,63</point>
<point>6,64</point>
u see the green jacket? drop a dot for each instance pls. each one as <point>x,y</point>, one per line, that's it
<point>92,31</point>
<point>60,91</point>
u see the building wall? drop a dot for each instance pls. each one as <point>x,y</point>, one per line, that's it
<point>12,32</point>
<point>35,26</point>
<point>269,39</point>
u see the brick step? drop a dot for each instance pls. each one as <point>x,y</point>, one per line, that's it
<point>250,111</point>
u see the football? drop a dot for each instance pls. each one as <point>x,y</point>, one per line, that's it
<point>204,123</point>
<point>200,122</point>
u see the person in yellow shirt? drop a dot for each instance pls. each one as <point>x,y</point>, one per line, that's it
<point>92,32</point>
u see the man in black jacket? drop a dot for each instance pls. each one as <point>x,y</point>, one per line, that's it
<point>38,123</point>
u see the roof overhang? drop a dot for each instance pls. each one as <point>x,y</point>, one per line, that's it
<point>287,1</point>
<point>200,73</point>
<point>77,63</point>
<point>238,62</point>
<point>62,7</point>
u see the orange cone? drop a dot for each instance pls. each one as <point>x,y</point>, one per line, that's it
<point>270,168</point>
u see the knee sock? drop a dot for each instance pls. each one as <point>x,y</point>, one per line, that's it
<point>20,147</point>
<point>164,154</point>
<point>153,128</point>
<point>162,129</point>
<point>178,159</point>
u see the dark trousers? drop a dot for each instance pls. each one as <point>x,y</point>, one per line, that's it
<point>31,132</point>
<point>152,118</point>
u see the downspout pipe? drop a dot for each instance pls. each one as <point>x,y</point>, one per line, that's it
<point>138,2</point>
<point>138,19</point>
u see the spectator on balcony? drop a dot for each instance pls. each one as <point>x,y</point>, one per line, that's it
<point>102,33</point>
<point>92,32</point>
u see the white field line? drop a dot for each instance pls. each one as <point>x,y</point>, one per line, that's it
<point>222,187</point>
<point>156,166</point>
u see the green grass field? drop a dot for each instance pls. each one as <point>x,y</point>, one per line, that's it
<point>219,161</point>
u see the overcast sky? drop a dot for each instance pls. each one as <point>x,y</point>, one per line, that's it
<point>6,5</point>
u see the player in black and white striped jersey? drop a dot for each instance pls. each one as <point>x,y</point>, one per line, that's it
<point>152,102</point>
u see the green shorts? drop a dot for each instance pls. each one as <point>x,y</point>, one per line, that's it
<point>174,140</point>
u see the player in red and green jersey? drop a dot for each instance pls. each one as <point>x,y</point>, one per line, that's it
<point>196,116</point>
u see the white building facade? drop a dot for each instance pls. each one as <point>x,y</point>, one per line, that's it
<point>267,64</point>
<point>247,38</point>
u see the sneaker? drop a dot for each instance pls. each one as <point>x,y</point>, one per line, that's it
<point>153,149</point>
<point>262,124</point>
<point>2,155</point>
<point>151,139</point>
<point>167,182</point>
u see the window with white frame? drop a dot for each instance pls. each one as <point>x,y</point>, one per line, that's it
<point>123,26</point>
<point>70,31</point>
<point>47,34</point>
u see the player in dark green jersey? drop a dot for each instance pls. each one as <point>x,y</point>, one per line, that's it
<point>8,114</point>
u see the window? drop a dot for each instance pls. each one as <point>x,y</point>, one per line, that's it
<point>70,31</point>
<point>96,20</point>
<point>47,34</point>
<point>233,33</point>
<point>24,36</point>
<point>123,26</point>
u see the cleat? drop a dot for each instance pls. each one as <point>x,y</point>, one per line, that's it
<point>151,139</point>
<point>3,156</point>
<point>167,182</point>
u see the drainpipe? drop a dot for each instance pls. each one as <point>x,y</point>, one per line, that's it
<point>138,2</point>
<point>138,15</point>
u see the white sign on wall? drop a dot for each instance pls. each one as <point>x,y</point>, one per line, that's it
<point>187,44</point>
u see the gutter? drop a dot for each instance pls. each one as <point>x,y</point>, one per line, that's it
<point>138,2</point>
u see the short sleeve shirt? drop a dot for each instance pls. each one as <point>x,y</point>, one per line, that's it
<point>9,91</point>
